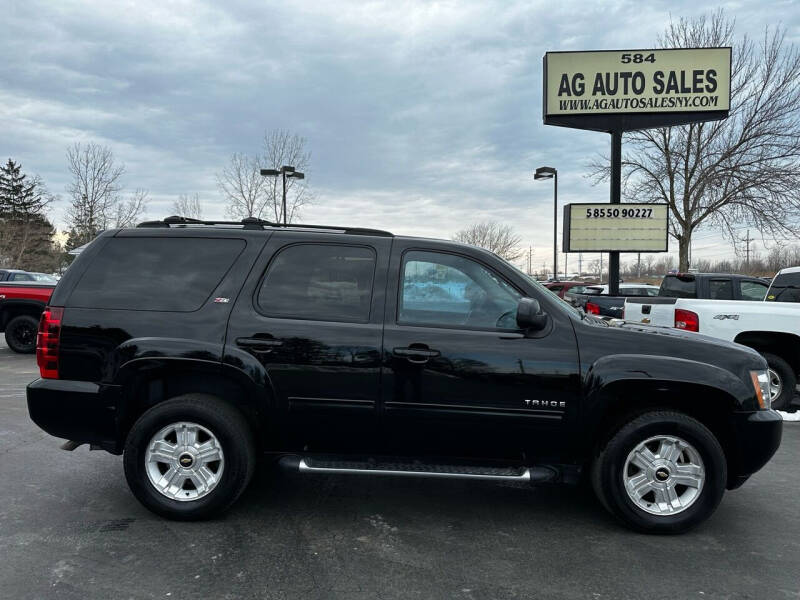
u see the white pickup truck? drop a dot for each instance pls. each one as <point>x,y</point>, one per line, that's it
<point>771,328</point>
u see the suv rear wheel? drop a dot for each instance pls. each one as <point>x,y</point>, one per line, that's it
<point>662,472</point>
<point>21,334</point>
<point>190,457</point>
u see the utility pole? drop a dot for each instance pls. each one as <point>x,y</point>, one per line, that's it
<point>530,258</point>
<point>638,265</point>
<point>747,260</point>
<point>580,264</point>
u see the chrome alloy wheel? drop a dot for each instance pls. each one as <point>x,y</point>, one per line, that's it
<point>184,461</point>
<point>775,385</point>
<point>663,475</point>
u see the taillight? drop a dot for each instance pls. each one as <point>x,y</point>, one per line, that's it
<point>592,308</point>
<point>47,341</point>
<point>687,320</point>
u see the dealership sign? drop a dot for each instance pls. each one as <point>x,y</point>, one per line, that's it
<point>615,228</point>
<point>637,81</point>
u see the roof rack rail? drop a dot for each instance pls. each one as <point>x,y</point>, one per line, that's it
<point>255,223</point>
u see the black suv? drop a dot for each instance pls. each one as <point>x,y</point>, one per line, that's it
<point>193,347</point>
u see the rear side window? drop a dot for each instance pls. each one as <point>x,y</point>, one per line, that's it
<point>752,290</point>
<point>162,274</point>
<point>320,282</point>
<point>678,287</point>
<point>785,288</point>
<point>720,289</point>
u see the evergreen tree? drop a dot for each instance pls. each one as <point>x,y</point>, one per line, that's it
<point>26,235</point>
<point>20,197</point>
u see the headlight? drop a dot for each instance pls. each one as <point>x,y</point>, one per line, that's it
<point>761,385</point>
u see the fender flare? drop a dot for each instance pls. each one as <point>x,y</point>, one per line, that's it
<point>653,374</point>
<point>27,306</point>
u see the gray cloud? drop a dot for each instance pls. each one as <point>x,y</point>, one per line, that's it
<point>422,117</point>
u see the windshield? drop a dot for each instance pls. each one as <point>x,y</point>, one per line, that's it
<point>44,277</point>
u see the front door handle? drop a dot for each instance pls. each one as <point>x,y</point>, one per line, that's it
<point>416,355</point>
<point>258,344</point>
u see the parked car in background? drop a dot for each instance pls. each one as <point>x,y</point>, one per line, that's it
<point>561,288</point>
<point>772,330</point>
<point>713,286</point>
<point>19,275</point>
<point>595,299</point>
<point>15,275</point>
<point>785,286</point>
<point>21,305</point>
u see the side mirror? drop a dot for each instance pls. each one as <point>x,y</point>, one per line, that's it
<point>530,315</point>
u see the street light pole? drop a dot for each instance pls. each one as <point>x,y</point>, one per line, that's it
<point>551,173</point>
<point>285,171</point>
<point>283,205</point>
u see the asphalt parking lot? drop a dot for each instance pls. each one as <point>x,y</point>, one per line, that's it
<point>69,529</point>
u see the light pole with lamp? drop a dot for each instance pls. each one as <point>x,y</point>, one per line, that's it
<point>284,172</point>
<point>551,173</point>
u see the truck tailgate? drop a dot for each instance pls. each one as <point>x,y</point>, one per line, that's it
<point>650,311</point>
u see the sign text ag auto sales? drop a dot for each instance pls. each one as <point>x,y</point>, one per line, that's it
<point>637,81</point>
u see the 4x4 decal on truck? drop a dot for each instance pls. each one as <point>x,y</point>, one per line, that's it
<point>723,317</point>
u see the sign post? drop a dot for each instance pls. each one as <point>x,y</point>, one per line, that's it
<point>623,90</point>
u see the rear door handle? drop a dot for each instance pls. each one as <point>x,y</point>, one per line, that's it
<point>416,355</point>
<point>258,344</point>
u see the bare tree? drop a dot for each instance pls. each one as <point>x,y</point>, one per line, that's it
<point>283,148</point>
<point>494,237</point>
<point>649,261</point>
<point>188,206</point>
<point>94,188</point>
<point>741,171</point>
<point>243,186</point>
<point>251,195</point>
<point>129,212</point>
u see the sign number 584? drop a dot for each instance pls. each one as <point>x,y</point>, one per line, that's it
<point>637,58</point>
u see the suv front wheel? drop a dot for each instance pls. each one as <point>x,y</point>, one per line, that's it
<point>190,457</point>
<point>662,472</point>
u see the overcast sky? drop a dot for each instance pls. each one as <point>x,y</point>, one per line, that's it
<point>422,117</point>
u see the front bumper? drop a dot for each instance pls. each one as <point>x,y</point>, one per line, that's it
<point>757,436</point>
<point>76,410</point>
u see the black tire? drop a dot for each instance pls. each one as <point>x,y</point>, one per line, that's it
<point>788,380</point>
<point>21,334</point>
<point>608,466</point>
<point>234,435</point>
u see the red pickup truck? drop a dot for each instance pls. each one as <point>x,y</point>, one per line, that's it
<point>21,304</point>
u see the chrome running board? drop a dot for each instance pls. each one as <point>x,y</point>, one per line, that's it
<point>417,469</point>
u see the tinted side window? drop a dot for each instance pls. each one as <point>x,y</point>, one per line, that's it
<point>720,289</point>
<point>321,282</point>
<point>752,290</point>
<point>443,289</point>
<point>163,274</point>
<point>785,288</point>
<point>678,287</point>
